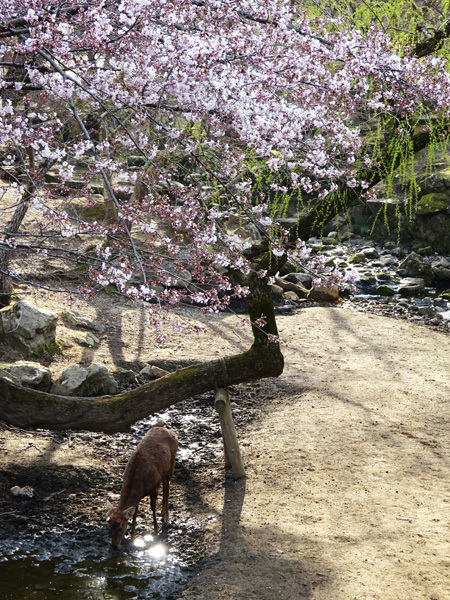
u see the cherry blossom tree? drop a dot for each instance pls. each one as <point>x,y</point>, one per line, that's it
<point>189,117</point>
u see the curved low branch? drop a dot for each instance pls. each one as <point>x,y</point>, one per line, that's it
<point>30,408</point>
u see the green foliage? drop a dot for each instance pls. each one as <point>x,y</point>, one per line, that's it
<point>49,350</point>
<point>408,22</point>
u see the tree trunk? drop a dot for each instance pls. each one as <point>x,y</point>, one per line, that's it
<point>25,407</point>
<point>12,228</point>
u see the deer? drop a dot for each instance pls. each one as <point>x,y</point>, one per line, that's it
<point>151,464</point>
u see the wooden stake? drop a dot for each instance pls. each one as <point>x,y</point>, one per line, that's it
<point>230,442</point>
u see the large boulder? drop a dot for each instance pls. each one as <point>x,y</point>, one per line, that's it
<point>29,374</point>
<point>27,327</point>
<point>78,381</point>
<point>431,203</point>
<point>416,266</point>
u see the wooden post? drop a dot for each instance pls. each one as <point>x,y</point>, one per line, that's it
<point>230,442</point>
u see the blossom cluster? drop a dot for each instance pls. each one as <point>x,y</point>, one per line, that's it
<point>194,88</point>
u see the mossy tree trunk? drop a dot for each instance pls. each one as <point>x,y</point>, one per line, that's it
<point>30,408</point>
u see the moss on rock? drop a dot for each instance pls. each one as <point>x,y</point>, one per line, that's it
<point>431,203</point>
<point>384,290</point>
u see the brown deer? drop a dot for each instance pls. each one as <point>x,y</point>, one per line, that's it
<point>151,464</point>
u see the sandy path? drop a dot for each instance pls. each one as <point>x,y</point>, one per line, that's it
<point>347,495</point>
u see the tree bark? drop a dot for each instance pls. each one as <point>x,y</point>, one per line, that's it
<point>5,254</point>
<point>24,407</point>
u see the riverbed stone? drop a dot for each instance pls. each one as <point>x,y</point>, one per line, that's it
<point>94,380</point>
<point>290,296</point>
<point>441,273</point>
<point>389,261</point>
<point>416,266</point>
<point>426,310</point>
<point>412,286</point>
<point>358,258</point>
<point>385,290</point>
<point>323,293</point>
<point>370,253</point>
<point>302,279</point>
<point>288,286</point>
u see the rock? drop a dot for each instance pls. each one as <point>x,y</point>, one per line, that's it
<point>288,267</point>
<point>328,241</point>
<point>27,327</point>
<point>29,374</point>
<point>87,209</point>
<point>338,225</point>
<point>431,203</point>
<point>126,376</point>
<point>302,279</point>
<point>426,311</point>
<point>441,262</point>
<point>78,381</point>
<point>154,371</point>
<point>322,293</point>
<point>441,273</point>
<point>416,266</point>
<point>300,290</point>
<point>398,252</point>
<point>357,258</point>
<point>277,291</point>
<point>367,279</point>
<point>383,276</point>
<point>26,491</point>
<point>441,303</point>
<point>87,339</point>
<point>433,230</point>
<point>241,227</point>
<point>384,290</point>
<point>411,287</point>
<point>389,261</point>
<point>77,319</point>
<point>370,253</point>
<point>427,301</point>
<point>291,296</point>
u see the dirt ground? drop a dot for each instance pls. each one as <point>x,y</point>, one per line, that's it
<point>347,456</point>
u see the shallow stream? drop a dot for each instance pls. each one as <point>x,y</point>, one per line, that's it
<point>48,550</point>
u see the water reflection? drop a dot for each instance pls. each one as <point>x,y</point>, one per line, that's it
<point>156,551</point>
<point>143,570</point>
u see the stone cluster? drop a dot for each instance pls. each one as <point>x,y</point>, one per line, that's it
<point>391,279</point>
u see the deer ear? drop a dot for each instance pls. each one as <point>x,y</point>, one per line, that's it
<point>109,506</point>
<point>129,512</point>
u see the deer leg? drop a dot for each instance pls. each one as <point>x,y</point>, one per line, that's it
<point>133,525</point>
<point>153,498</point>
<point>166,489</point>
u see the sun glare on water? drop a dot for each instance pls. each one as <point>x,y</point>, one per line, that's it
<point>157,551</point>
